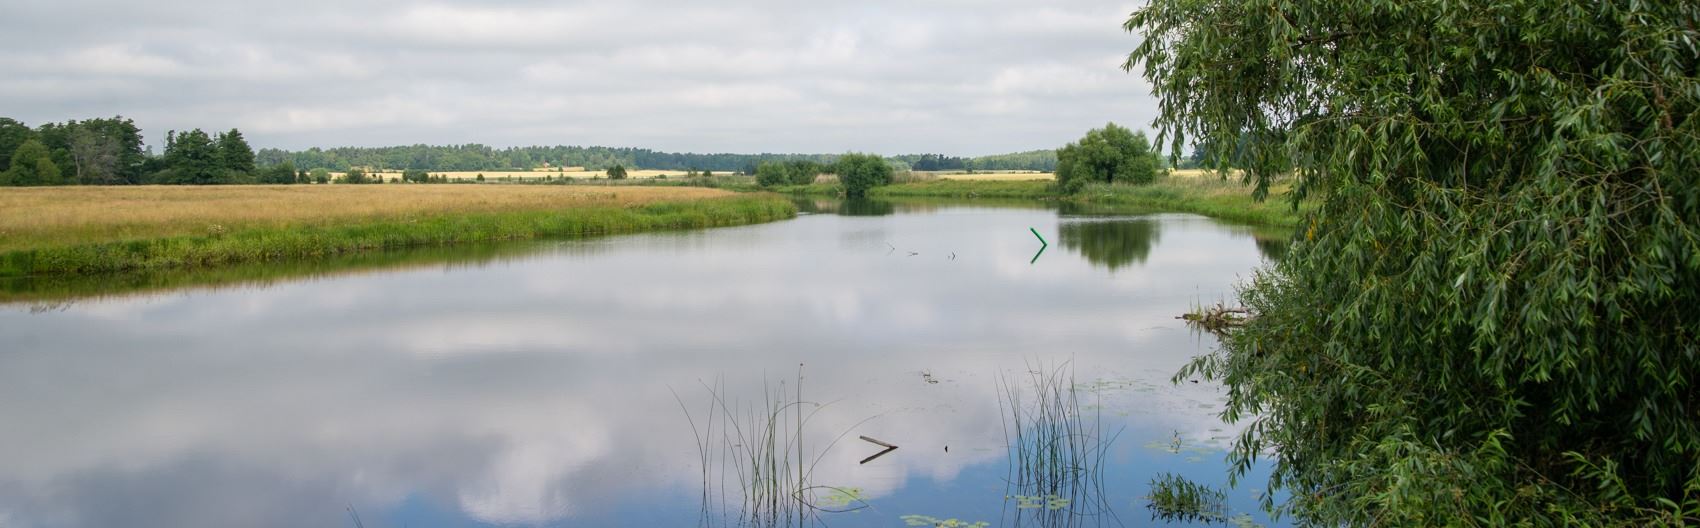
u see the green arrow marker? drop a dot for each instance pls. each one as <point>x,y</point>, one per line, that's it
<point>1042,245</point>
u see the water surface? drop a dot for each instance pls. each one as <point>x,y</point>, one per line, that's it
<point>541,383</point>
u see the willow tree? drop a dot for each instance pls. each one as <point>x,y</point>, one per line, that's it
<point>1494,315</point>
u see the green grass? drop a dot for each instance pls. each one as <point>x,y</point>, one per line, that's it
<point>1209,197</point>
<point>277,243</point>
<point>968,189</point>
<point>730,182</point>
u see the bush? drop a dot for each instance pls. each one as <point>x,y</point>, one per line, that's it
<point>770,174</point>
<point>860,172</point>
<point>617,172</point>
<point>803,172</point>
<point>1112,154</point>
<point>282,173</point>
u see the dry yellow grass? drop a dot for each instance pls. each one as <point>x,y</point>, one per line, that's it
<point>43,216</point>
<point>571,172</point>
<point>1233,174</point>
<point>999,176</point>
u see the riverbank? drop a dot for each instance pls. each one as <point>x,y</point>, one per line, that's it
<point>91,230</point>
<point>1205,195</point>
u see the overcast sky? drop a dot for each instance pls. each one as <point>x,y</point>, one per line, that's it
<point>961,77</point>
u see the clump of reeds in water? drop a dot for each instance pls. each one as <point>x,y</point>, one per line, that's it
<point>1056,452</point>
<point>757,469</point>
<point>1177,499</point>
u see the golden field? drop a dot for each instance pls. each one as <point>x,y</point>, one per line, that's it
<point>1203,173</point>
<point>1023,176</point>
<point>997,176</point>
<point>45,216</point>
<point>573,172</point>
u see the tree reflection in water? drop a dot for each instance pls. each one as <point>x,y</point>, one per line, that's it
<point>1112,244</point>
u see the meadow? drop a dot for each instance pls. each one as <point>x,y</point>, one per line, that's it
<point>56,230</point>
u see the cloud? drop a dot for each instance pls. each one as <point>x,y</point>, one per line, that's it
<point>760,75</point>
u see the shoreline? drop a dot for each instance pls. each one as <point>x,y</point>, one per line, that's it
<point>1210,197</point>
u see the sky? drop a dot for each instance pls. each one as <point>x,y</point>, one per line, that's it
<point>958,77</point>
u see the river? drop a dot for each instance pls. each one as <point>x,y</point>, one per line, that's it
<point>588,382</point>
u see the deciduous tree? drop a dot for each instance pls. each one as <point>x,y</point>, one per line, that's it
<point>1493,318</point>
<point>31,165</point>
<point>1106,155</point>
<point>860,172</point>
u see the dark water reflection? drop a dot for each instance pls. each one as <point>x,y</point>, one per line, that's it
<point>533,383</point>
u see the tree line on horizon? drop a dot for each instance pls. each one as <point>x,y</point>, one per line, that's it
<point>109,151</point>
<point>479,157</point>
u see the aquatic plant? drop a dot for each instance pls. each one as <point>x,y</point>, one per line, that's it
<point>1174,498</point>
<point>935,522</point>
<point>1056,453</point>
<point>760,446</point>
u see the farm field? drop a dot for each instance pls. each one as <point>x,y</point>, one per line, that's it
<point>91,230</point>
<point>47,216</point>
<point>1048,176</point>
<point>997,176</point>
<point>532,175</point>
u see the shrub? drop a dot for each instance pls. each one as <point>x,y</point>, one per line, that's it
<point>1112,154</point>
<point>860,172</point>
<point>770,174</point>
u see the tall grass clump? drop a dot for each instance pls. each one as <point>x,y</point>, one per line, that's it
<point>757,468</point>
<point>1174,498</point>
<point>1056,452</point>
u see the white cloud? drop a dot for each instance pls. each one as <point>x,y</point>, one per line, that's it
<point>892,76</point>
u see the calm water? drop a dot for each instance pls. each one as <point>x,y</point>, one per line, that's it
<point>535,383</point>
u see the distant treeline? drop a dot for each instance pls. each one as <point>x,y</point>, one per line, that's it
<point>476,157</point>
<point>1032,160</point>
<point>109,151</point>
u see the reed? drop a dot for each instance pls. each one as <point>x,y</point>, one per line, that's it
<point>1057,453</point>
<point>1174,498</point>
<point>757,469</point>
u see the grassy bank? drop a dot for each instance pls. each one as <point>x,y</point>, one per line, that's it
<point>85,230</point>
<point>1212,197</point>
<point>1205,195</point>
